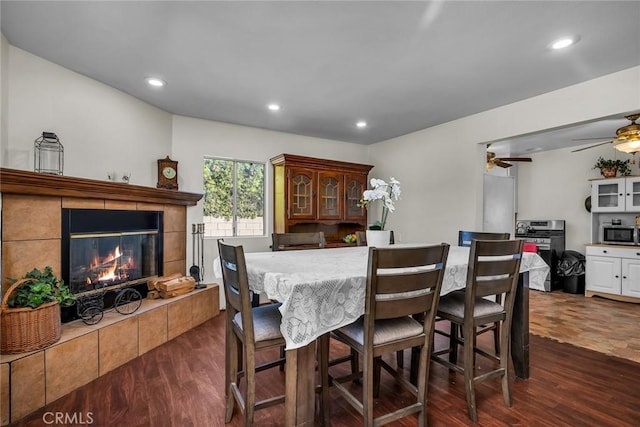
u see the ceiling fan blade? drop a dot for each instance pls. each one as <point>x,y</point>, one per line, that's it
<point>593,139</point>
<point>591,146</point>
<point>515,159</point>
<point>502,164</point>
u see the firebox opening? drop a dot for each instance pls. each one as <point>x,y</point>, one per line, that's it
<point>105,250</point>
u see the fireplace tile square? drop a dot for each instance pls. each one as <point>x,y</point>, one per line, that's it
<point>152,329</point>
<point>4,394</point>
<point>180,316</point>
<point>70,365</point>
<point>174,245</point>
<point>118,344</point>
<point>175,218</point>
<point>30,217</point>
<point>75,203</point>
<point>172,267</point>
<point>27,385</point>
<point>20,257</point>
<point>120,205</point>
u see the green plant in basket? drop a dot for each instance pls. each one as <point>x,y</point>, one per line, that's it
<point>44,288</point>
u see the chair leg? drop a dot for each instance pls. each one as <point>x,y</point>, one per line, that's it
<point>355,364</point>
<point>453,344</point>
<point>376,377</point>
<point>323,356</point>
<point>232,375</point>
<point>369,368</point>
<point>250,399</point>
<point>400,359</point>
<point>496,338</point>
<point>505,356</point>
<point>469,372</point>
<point>282,356</point>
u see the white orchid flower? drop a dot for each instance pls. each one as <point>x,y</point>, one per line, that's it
<point>380,190</point>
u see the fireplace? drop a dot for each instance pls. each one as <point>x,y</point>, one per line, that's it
<point>106,250</point>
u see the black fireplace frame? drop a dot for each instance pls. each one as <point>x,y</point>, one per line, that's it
<point>101,221</point>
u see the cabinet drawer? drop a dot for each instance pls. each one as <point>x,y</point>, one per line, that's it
<point>613,251</point>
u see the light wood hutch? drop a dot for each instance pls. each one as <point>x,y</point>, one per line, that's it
<point>313,195</point>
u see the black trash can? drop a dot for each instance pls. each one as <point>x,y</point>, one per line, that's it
<point>571,272</point>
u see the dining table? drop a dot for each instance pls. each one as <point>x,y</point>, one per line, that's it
<point>324,289</point>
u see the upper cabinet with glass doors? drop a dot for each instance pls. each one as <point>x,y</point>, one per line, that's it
<point>318,195</point>
<point>616,195</point>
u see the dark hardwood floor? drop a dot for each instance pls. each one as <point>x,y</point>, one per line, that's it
<point>181,384</point>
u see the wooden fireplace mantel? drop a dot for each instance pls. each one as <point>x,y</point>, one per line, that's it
<point>13,181</point>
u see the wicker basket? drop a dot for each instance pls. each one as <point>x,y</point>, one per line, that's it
<point>28,329</point>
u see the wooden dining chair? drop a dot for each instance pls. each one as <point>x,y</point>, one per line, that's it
<point>464,239</point>
<point>248,330</point>
<point>361,238</point>
<point>296,241</point>
<point>402,282</point>
<point>494,266</point>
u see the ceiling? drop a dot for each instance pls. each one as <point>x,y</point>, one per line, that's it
<point>401,66</point>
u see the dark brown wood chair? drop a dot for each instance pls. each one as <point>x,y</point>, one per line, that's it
<point>295,241</point>
<point>248,330</point>
<point>361,238</point>
<point>494,266</point>
<point>408,286</point>
<point>464,239</point>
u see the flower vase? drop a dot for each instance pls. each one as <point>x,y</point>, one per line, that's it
<point>378,238</point>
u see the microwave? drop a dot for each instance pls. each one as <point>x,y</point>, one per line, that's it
<point>619,234</point>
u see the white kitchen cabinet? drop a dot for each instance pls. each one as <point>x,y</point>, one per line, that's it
<point>616,195</point>
<point>632,194</point>
<point>613,272</point>
<point>631,277</point>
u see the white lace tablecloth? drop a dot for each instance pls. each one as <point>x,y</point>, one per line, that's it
<point>324,289</point>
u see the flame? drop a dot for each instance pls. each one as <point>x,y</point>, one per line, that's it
<point>108,271</point>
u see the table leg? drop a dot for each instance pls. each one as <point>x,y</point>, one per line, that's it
<point>300,386</point>
<point>520,328</point>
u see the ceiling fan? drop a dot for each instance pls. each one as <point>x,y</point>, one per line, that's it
<point>627,137</point>
<point>492,160</point>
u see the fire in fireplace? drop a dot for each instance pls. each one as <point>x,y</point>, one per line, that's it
<point>106,249</point>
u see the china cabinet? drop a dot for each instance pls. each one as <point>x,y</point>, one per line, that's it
<point>312,194</point>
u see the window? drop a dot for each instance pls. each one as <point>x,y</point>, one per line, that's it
<point>233,198</point>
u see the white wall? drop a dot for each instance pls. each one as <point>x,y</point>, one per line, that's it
<point>442,166</point>
<point>193,139</point>
<point>4,94</point>
<point>102,129</point>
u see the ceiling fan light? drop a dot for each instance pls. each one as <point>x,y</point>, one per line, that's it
<point>629,147</point>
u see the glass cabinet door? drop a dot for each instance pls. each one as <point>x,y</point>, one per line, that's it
<point>633,194</point>
<point>330,195</point>
<point>354,187</point>
<point>301,194</point>
<point>608,195</point>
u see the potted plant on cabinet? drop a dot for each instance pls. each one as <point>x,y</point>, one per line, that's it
<point>30,312</point>
<point>609,168</point>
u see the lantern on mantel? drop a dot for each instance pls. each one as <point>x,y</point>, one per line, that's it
<point>49,154</point>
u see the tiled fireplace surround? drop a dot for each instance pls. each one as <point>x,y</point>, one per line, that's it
<point>31,238</point>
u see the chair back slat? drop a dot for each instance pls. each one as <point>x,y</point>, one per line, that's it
<point>389,309</point>
<point>296,241</point>
<point>466,237</point>
<point>406,282</point>
<point>393,290</point>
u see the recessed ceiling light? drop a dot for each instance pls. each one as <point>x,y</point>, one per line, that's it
<point>563,42</point>
<point>273,107</point>
<point>156,82</point>
<point>361,124</point>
